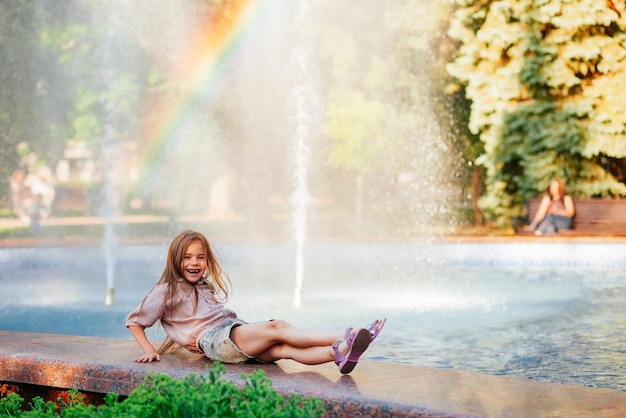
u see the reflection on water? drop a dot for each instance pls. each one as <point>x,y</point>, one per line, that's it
<point>450,306</point>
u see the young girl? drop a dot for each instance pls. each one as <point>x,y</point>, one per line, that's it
<point>188,301</point>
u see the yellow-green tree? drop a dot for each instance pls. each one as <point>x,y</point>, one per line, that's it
<point>546,80</point>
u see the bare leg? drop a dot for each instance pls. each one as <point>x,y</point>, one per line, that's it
<point>308,355</point>
<point>254,339</point>
<point>275,340</point>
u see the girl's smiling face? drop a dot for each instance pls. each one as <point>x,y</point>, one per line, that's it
<point>194,262</point>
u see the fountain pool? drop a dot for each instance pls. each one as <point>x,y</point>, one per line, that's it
<point>546,311</point>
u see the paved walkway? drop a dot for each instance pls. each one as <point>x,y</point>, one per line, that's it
<point>462,235</point>
<point>374,389</point>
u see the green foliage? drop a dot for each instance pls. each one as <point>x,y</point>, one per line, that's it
<point>194,396</point>
<point>388,116</point>
<point>545,80</point>
<point>65,75</point>
<point>18,96</point>
<point>355,113</point>
<point>356,124</point>
<point>11,405</point>
<point>68,40</point>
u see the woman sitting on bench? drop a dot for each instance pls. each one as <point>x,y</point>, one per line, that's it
<point>555,212</point>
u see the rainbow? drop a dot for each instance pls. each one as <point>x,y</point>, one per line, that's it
<point>208,52</point>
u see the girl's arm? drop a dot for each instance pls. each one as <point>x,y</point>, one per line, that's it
<point>150,354</point>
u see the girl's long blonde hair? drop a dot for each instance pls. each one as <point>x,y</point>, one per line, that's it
<point>172,274</point>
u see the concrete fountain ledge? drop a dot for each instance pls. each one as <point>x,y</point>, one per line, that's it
<point>48,362</point>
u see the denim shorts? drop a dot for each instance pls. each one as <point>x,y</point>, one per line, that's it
<point>217,345</point>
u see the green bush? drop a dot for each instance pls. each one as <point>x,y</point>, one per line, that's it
<point>161,395</point>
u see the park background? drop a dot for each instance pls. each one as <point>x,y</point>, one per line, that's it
<point>274,119</point>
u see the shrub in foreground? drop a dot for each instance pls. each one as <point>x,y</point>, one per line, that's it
<point>161,395</point>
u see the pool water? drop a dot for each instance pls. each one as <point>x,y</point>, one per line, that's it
<point>548,311</point>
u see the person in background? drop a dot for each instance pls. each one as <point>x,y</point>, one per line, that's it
<point>555,212</point>
<point>17,193</point>
<point>34,207</point>
<point>188,301</point>
<point>42,186</point>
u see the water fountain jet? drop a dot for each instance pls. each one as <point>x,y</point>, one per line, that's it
<point>302,96</point>
<point>108,146</point>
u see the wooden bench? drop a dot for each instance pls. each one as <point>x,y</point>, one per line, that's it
<point>594,216</point>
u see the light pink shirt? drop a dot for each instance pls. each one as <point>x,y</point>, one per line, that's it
<point>177,315</point>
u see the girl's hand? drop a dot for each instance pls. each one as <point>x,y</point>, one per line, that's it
<point>150,353</point>
<point>148,358</point>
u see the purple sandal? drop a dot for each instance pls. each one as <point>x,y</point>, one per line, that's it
<point>374,330</point>
<point>357,344</point>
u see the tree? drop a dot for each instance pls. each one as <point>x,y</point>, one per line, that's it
<point>545,79</point>
<point>71,71</point>
<point>21,91</point>
<point>387,114</point>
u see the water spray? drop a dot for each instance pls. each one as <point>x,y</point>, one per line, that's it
<point>302,97</point>
<point>107,145</point>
